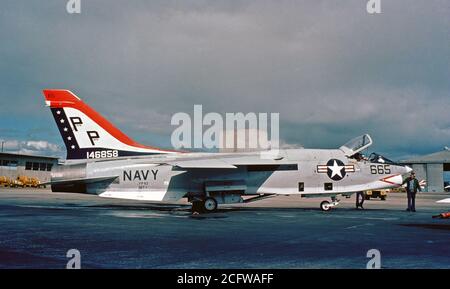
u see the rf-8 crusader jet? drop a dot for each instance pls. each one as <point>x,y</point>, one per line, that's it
<point>102,160</point>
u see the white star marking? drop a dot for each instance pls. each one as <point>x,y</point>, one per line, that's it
<point>62,120</point>
<point>65,129</point>
<point>72,146</point>
<point>58,112</point>
<point>69,138</point>
<point>335,170</point>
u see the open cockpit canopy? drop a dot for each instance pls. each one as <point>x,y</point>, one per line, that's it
<point>356,145</point>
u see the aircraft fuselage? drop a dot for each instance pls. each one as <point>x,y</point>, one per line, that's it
<point>309,173</point>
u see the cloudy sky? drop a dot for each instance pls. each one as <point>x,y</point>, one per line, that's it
<point>329,68</point>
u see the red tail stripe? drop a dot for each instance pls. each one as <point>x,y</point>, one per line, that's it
<point>65,98</point>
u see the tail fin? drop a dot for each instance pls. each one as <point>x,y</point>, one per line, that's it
<point>86,134</point>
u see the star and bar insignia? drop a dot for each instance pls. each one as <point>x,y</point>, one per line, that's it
<point>336,169</point>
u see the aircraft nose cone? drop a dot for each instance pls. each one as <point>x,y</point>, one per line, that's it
<point>408,169</point>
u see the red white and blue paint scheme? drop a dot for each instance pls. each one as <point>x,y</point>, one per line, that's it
<point>104,161</point>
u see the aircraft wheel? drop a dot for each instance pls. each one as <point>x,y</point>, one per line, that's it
<point>210,204</point>
<point>325,206</point>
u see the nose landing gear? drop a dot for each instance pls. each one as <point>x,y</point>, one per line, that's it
<point>326,206</point>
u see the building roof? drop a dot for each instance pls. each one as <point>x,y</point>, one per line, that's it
<point>434,158</point>
<point>16,155</point>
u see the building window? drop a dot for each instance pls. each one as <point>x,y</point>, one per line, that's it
<point>28,166</point>
<point>301,187</point>
<point>447,167</point>
<point>5,163</point>
<point>35,166</point>
<point>49,167</point>
<point>42,166</point>
<point>328,186</point>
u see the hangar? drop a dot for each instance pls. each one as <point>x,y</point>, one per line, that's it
<point>431,168</point>
<point>13,165</point>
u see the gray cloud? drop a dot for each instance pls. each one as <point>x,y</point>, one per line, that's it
<point>40,147</point>
<point>331,70</point>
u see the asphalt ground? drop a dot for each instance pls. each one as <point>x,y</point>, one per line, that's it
<point>38,227</point>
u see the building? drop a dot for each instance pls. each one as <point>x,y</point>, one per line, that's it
<point>14,165</point>
<point>431,168</point>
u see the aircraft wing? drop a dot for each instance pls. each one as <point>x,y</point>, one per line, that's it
<point>82,181</point>
<point>202,164</point>
<point>227,163</point>
<point>445,201</point>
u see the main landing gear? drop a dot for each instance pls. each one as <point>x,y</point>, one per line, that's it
<point>326,206</point>
<point>207,205</point>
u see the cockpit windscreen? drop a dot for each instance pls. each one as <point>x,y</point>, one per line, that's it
<point>376,158</point>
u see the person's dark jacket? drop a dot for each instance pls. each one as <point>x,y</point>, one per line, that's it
<point>416,186</point>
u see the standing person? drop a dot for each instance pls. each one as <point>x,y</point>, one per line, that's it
<point>412,186</point>
<point>360,200</point>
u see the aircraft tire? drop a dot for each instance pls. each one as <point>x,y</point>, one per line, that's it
<point>325,206</point>
<point>210,205</point>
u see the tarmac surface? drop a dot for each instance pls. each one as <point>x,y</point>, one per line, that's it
<point>38,227</point>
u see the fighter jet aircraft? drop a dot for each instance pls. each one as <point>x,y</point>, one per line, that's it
<point>104,161</point>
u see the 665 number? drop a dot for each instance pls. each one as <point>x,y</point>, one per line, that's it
<point>380,169</point>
